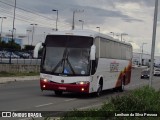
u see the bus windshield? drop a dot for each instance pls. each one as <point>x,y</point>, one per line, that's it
<point>67,55</point>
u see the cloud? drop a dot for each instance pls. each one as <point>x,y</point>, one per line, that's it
<point>135,46</point>
<point>134,17</point>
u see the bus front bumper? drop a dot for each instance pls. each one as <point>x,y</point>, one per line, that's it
<point>49,85</point>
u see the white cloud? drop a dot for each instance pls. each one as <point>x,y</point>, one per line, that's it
<point>134,17</point>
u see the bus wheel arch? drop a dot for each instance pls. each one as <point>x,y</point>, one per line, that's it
<point>121,88</point>
<point>100,87</point>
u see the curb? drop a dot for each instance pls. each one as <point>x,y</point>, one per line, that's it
<point>19,78</point>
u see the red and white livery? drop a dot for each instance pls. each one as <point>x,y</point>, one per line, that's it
<point>85,62</point>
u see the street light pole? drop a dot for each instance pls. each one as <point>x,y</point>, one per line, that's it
<point>28,35</point>
<point>153,41</point>
<point>122,35</point>
<point>112,33</point>
<point>14,14</point>
<point>56,18</point>
<point>1,25</point>
<point>142,53</point>
<point>98,28</point>
<point>32,32</point>
<point>82,23</point>
<point>14,33</point>
<point>73,24</point>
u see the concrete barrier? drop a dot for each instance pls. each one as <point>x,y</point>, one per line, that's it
<point>19,68</point>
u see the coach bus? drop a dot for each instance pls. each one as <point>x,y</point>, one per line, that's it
<point>84,62</point>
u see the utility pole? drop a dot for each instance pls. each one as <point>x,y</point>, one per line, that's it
<point>56,18</point>
<point>73,24</point>
<point>1,26</point>
<point>12,32</point>
<point>33,32</point>
<point>153,42</point>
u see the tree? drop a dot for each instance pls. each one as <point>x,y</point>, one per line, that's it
<point>10,45</point>
<point>28,47</point>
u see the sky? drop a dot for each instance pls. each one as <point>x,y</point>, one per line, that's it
<point>133,17</point>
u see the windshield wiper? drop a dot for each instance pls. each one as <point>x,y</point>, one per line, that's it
<point>60,62</point>
<point>70,64</point>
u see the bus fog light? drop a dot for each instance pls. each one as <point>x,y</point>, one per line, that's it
<point>44,86</point>
<point>45,80</point>
<point>82,89</point>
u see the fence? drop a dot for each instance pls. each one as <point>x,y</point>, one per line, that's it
<point>19,68</point>
<point>20,61</point>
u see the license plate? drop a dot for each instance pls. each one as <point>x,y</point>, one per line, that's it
<point>62,88</point>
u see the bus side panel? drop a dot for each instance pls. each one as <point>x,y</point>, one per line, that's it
<point>111,71</point>
<point>125,75</point>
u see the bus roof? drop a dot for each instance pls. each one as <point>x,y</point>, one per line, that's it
<point>89,33</point>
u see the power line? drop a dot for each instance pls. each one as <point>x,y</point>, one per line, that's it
<point>31,12</point>
<point>24,18</point>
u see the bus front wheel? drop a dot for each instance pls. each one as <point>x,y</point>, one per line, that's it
<point>99,90</point>
<point>58,92</point>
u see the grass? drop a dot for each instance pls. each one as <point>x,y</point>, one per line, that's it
<point>9,74</point>
<point>142,100</point>
<point>138,102</point>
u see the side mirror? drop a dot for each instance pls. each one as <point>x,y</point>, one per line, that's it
<point>36,49</point>
<point>93,52</point>
<point>43,44</point>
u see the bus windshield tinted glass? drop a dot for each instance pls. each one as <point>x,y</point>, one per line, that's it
<point>65,57</point>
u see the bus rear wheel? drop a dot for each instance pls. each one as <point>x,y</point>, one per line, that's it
<point>121,88</point>
<point>58,92</point>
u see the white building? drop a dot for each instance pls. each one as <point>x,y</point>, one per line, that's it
<point>144,59</point>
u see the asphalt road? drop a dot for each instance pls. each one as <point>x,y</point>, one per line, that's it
<point>27,96</point>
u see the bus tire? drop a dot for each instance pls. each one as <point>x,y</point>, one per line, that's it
<point>121,88</point>
<point>99,91</point>
<point>58,92</point>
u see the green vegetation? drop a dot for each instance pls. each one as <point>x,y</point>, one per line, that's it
<point>138,102</point>
<point>8,74</point>
<point>10,45</point>
<point>28,47</point>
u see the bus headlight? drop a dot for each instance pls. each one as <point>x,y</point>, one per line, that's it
<point>44,79</point>
<point>82,82</point>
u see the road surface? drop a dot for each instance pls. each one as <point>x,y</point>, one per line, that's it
<point>27,96</point>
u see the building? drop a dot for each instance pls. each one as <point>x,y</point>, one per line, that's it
<point>17,40</point>
<point>144,59</point>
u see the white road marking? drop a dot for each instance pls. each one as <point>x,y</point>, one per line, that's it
<point>44,105</point>
<point>70,100</point>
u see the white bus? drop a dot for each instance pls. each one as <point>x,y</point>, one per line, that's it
<point>84,61</point>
